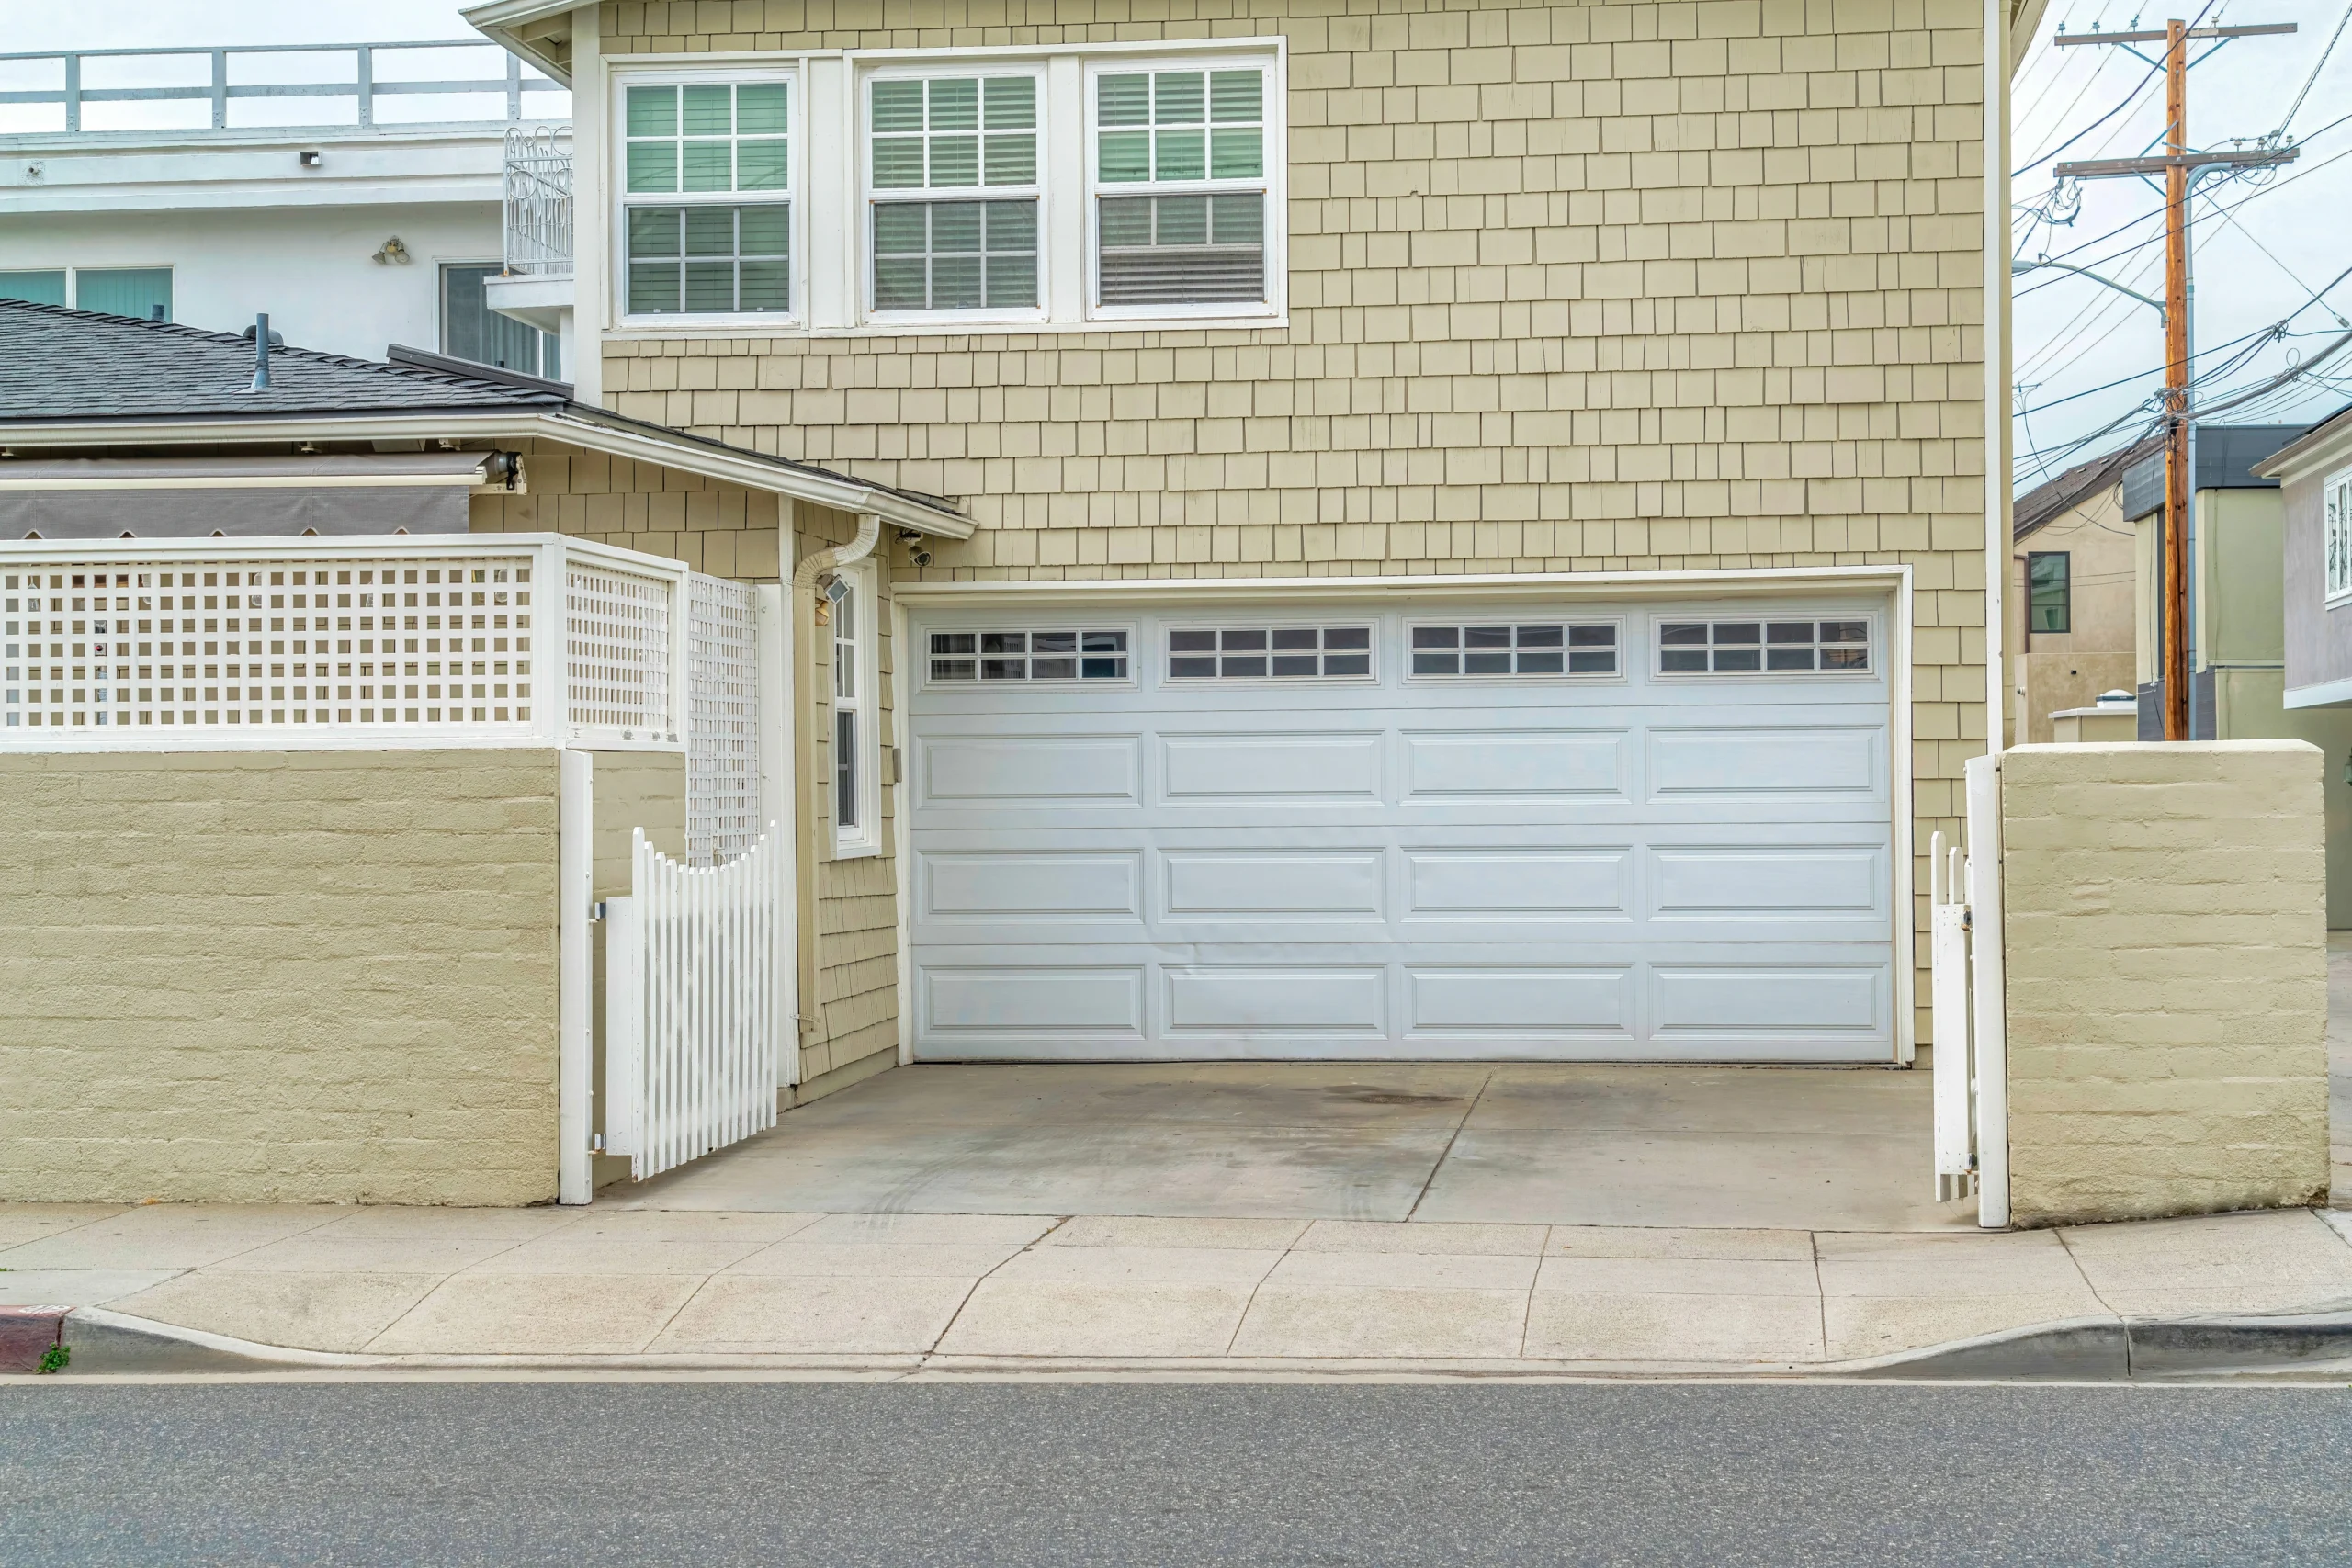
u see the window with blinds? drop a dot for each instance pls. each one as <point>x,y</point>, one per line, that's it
<point>706,200</point>
<point>1181,186</point>
<point>953,172</point>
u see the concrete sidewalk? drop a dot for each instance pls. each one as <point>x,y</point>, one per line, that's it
<point>882,1293</point>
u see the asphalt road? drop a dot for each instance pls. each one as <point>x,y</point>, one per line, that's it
<point>773,1475</point>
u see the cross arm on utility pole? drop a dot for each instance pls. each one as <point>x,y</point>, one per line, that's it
<point>2163,34</point>
<point>2104,168</point>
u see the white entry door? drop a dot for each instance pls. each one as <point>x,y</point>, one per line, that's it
<point>1446,830</point>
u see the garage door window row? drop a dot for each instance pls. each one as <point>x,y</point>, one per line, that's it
<point>1257,653</point>
<point>1728,647</point>
<point>1553,650</point>
<point>1029,656</point>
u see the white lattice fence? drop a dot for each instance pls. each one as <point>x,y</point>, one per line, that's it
<point>616,653</point>
<point>182,642</point>
<point>723,719</point>
<point>354,641</point>
<point>696,1003</point>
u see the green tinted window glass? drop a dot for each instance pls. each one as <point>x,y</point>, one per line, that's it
<point>653,230</point>
<point>708,166</point>
<point>897,163</point>
<point>1012,103</point>
<point>1235,154</point>
<point>653,166</point>
<point>2047,583</point>
<point>954,103</point>
<point>711,230</point>
<point>764,165</point>
<point>652,288</point>
<point>34,287</point>
<point>760,109</point>
<point>1178,156</point>
<point>709,110</point>
<point>1235,96</point>
<point>142,292</point>
<point>1126,157</point>
<point>764,231</point>
<point>1177,97</point>
<point>1012,159</point>
<point>956,255</point>
<point>897,106</point>
<point>954,161</point>
<point>1123,99</point>
<point>709,260</point>
<point>653,111</point>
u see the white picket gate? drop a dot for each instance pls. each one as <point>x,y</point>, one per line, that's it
<point>1968,1006</point>
<point>698,1003</point>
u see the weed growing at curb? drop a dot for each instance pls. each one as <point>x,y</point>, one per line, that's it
<point>55,1359</point>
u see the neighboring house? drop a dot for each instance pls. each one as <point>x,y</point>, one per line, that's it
<point>1480,527</point>
<point>2070,601</point>
<point>2312,503</point>
<point>175,204</point>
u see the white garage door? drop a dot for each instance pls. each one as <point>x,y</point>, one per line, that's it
<point>1454,831</point>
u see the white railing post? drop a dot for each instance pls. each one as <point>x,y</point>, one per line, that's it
<point>1989,998</point>
<point>575,1020</point>
<point>625,1022</point>
<point>1948,939</point>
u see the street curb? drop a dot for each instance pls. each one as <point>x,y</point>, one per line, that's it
<point>2078,1350</point>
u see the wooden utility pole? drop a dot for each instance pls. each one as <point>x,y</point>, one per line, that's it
<point>2176,167</point>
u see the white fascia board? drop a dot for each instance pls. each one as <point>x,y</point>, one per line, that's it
<point>520,425</point>
<point>2318,452</point>
<point>177,171</point>
<point>500,21</point>
<point>2327,694</point>
<point>1733,582</point>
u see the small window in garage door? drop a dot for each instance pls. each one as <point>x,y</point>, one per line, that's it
<point>1268,653</point>
<point>1027,655</point>
<point>1757,647</point>
<point>1551,648</point>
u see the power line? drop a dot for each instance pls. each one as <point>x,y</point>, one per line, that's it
<point>2289,118</point>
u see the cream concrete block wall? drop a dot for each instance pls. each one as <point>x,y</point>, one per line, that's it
<point>296,976</point>
<point>2165,919</point>
<point>1573,288</point>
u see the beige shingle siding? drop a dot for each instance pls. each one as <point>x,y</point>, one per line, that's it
<point>1573,288</point>
<point>721,529</point>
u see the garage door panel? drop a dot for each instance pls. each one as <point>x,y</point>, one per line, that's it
<point>1005,1002</point>
<point>1250,769</point>
<point>1003,771</point>
<point>1556,1002</point>
<point>1588,767</point>
<point>1519,885</point>
<point>1782,884</point>
<point>1756,762</point>
<point>1039,884</point>
<point>1228,999</point>
<point>1757,1001</point>
<point>1256,885</point>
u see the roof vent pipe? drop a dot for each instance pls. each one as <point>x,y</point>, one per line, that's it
<point>261,352</point>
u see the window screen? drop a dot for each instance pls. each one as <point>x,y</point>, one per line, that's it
<point>1247,653</point>
<point>1179,167</point>
<point>1727,647</point>
<point>1550,649</point>
<point>705,147</point>
<point>955,137</point>
<point>1029,656</point>
<point>142,292</point>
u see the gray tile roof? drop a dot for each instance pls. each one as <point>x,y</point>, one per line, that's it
<point>57,364</point>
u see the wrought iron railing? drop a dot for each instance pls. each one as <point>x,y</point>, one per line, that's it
<point>538,200</point>
<point>120,68</point>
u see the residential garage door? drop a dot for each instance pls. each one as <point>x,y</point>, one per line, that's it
<point>1443,830</point>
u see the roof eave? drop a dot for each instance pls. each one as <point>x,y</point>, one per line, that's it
<point>724,464</point>
<point>506,23</point>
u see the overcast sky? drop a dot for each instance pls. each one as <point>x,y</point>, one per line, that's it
<point>2087,357</point>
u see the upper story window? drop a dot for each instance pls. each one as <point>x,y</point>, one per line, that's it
<point>2049,598</point>
<point>920,190</point>
<point>707,179</point>
<point>2336,497</point>
<point>1180,175</point>
<point>952,176</point>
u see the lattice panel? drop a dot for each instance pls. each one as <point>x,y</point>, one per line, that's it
<point>723,713</point>
<point>364,644</point>
<point>618,658</point>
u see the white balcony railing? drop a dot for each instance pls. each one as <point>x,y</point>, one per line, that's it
<point>366,641</point>
<point>538,200</point>
<point>153,89</point>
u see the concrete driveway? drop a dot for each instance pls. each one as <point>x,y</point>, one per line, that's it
<point>1791,1148</point>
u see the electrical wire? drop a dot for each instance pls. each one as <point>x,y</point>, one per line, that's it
<point>2289,118</point>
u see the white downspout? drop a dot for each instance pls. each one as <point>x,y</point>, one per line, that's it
<point>1990,1059</point>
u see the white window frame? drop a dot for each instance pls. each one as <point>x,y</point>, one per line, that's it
<point>2335,535</point>
<point>1874,625</point>
<point>1277,154</point>
<point>831,297</point>
<point>1515,618</point>
<point>622,198</point>
<point>1134,655</point>
<point>869,197</point>
<point>865,838</point>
